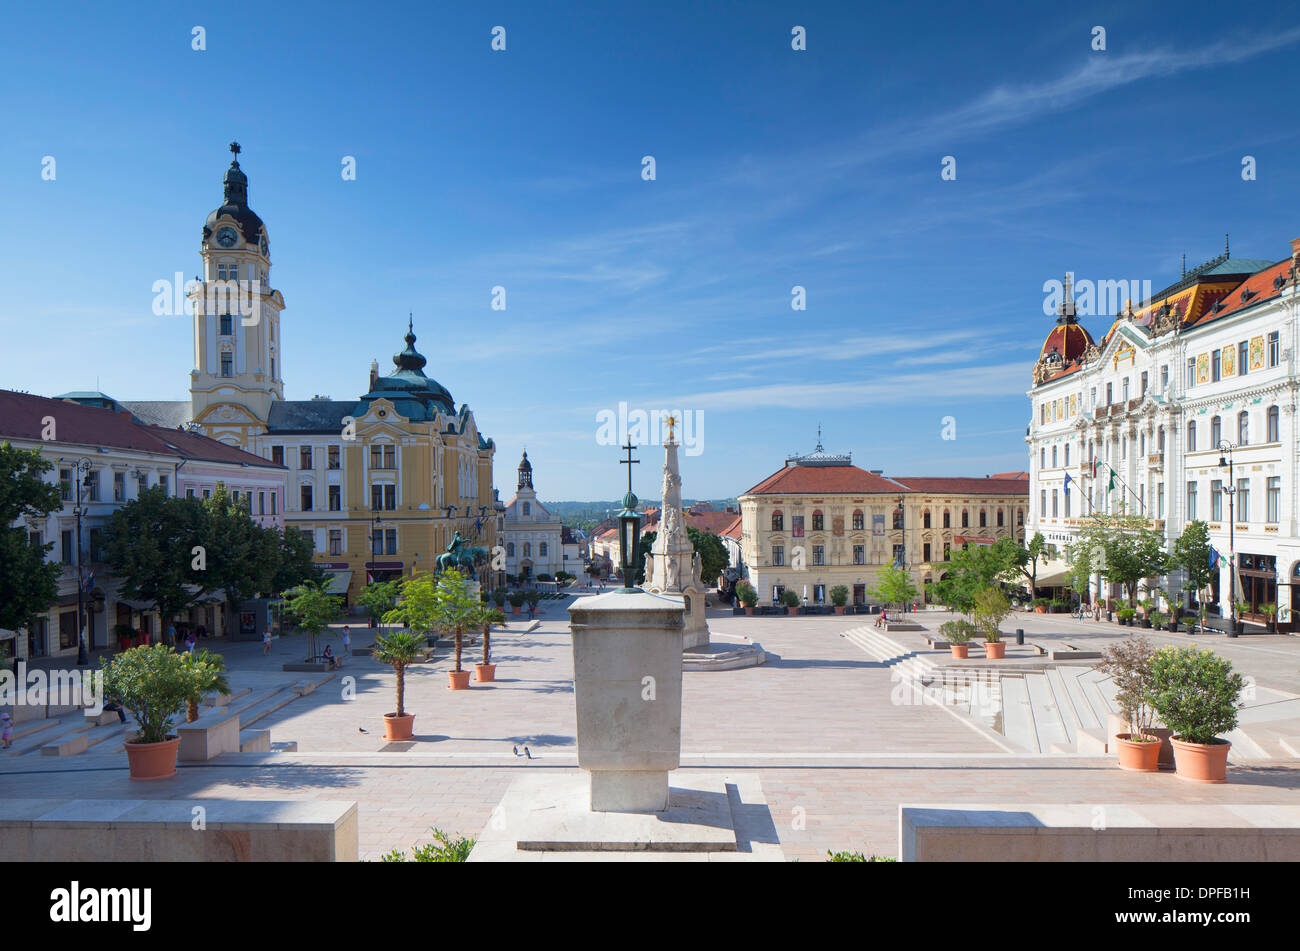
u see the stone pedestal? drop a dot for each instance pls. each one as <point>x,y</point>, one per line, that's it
<point>627,684</point>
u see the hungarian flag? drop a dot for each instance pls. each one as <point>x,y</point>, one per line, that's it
<point>1094,467</point>
<point>1111,486</point>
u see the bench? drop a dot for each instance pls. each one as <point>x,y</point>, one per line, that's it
<point>164,830</point>
<point>1067,832</point>
<point>210,735</point>
<point>254,741</point>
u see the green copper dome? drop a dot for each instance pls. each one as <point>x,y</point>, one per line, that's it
<point>415,395</point>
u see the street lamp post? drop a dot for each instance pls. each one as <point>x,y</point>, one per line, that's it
<point>1225,460</point>
<point>82,469</point>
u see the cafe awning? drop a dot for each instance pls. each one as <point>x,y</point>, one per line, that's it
<point>338,583</point>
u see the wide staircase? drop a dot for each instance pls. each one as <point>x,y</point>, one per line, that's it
<point>77,732</point>
<point>1064,708</point>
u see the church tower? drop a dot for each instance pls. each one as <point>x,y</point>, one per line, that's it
<point>237,363</point>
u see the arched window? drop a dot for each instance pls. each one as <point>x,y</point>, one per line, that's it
<point>1243,428</point>
<point>926,518</point>
<point>510,549</point>
<point>778,521</point>
<point>859,522</point>
<point>818,521</point>
<point>527,508</point>
<point>1216,431</point>
<point>1191,435</point>
<point>1160,439</point>
<point>1271,434</point>
<point>1000,518</point>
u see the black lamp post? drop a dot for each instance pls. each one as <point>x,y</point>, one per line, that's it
<point>629,526</point>
<point>1225,460</point>
<point>374,533</point>
<point>82,469</point>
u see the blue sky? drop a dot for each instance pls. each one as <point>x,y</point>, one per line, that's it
<point>522,169</point>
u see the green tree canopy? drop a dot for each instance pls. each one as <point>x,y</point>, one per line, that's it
<point>1125,550</point>
<point>712,552</point>
<point>894,586</point>
<point>1192,554</point>
<point>28,584</point>
<point>313,608</point>
<point>149,544</point>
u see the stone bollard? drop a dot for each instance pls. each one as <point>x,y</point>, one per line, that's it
<point>1020,635</point>
<point>627,684</point>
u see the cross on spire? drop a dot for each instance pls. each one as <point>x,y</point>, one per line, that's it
<point>629,462</point>
<point>235,150</point>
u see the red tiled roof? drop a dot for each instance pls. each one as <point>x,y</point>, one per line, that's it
<point>732,530</point>
<point>796,480</point>
<point>959,485</point>
<point>1259,285</point>
<point>22,416</point>
<point>1011,475</point>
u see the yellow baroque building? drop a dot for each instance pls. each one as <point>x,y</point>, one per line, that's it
<point>380,484</point>
<point>820,521</point>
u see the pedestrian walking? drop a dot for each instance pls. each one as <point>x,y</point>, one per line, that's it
<point>347,641</point>
<point>189,642</point>
<point>171,635</point>
<point>266,641</point>
<point>6,731</point>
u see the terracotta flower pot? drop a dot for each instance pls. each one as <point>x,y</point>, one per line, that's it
<point>995,650</point>
<point>1136,756</point>
<point>839,609</point>
<point>459,679</point>
<point>514,608</point>
<point>960,651</point>
<point>152,760</point>
<point>1040,609</point>
<point>398,728</point>
<point>1201,762</point>
<point>749,609</point>
<point>485,673</point>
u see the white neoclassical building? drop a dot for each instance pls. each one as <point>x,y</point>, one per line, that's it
<point>532,535</point>
<point>1202,373</point>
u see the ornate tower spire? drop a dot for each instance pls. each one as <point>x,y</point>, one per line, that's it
<point>235,181</point>
<point>525,472</point>
<point>1065,313</point>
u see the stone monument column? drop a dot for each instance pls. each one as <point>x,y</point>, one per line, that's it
<point>627,684</point>
<point>672,567</point>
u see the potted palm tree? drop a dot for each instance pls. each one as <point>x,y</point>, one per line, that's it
<point>839,597</point>
<point>958,634</point>
<point>991,609</point>
<point>209,676</point>
<point>1126,616</point>
<point>1270,612</point>
<point>747,595</point>
<point>155,684</point>
<point>1128,663</point>
<point>487,671</point>
<point>455,610</point>
<point>1196,694</point>
<point>398,650</point>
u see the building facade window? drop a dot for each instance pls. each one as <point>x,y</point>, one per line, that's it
<point>859,554</point>
<point>1274,498</point>
<point>778,555</point>
<point>1191,435</point>
<point>1216,366</point>
<point>336,541</point>
<point>1191,501</point>
<point>335,498</point>
<point>227,366</point>
<point>1243,357</point>
<point>1271,427</point>
<point>859,522</point>
<point>304,457</point>
<point>819,554</point>
<point>1216,501</point>
<point>1243,428</point>
<point>818,522</point>
<point>332,458</point>
<point>226,325</point>
<point>778,522</point>
<point>541,550</point>
<point>1216,431</point>
<point>305,498</point>
<point>1273,349</point>
<point>1243,500</point>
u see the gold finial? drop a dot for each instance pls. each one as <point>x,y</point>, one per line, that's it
<point>672,422</point>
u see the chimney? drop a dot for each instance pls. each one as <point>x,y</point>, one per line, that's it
<point>374,373</point>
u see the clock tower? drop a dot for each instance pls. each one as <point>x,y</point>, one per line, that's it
<point>237,364</point>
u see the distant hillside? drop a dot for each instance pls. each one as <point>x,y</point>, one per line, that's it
<point>586,514</point>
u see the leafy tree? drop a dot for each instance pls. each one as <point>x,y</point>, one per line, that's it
<point>990,610</point>
<point>240,557</point>
<point>643,549</point>
<point>894,586</point>
<point>485,618</point>
<point>1192,554</point>
<point>208,675</point>
<point>293,562</point>
<point>149,543</point>
<point>1126,550</point>
<point>1079,559</point>
<point>1026,558</point>
<point>28,584</point>
<point>1196,693</point>
<point>713,554</point>
<point>398,650</point>
<point>437,603</point>
<point>313,608</point>
<point>378,598</point>
<point>972,570</point>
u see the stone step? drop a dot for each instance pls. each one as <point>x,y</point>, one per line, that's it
<point>1087,717</point>
<point>64,728</point>
<point>1018,715</point>
<point>1050,731</point>
<point>250,715</point>
<point>254,741</point>
<point>1064,705</point>
<point>252,699</point>
<point>1244,747</point>
<point>70,744</point>
<point>28,727</point>
<point>217,700</point>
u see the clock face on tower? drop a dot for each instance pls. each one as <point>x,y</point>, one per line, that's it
<point>226,237</point>
<point>265,247</point>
